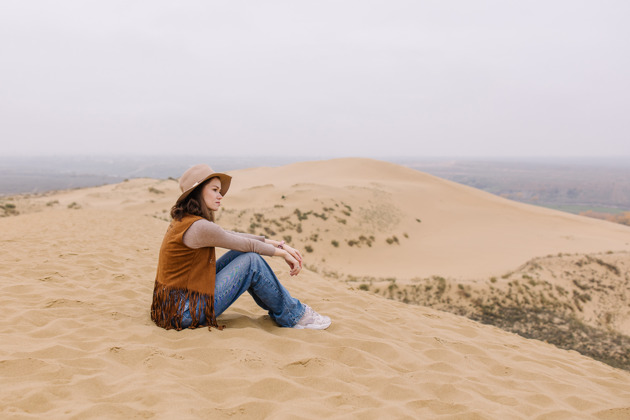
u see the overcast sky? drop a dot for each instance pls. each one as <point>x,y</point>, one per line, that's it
<point>315,78</point>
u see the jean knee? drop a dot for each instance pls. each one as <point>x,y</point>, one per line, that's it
<point>254,258</point>
<point>248,261</point>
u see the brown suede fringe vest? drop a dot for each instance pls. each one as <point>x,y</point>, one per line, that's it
<point>183,273</point>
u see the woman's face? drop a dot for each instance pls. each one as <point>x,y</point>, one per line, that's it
<point>211,194</point>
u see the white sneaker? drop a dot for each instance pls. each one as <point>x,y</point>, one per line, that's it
<point>311,320</point>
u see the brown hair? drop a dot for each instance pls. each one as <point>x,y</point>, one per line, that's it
<point>194,205</point>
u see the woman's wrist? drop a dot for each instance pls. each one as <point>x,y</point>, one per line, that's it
<point>273,242</point>
<point>279,252</point>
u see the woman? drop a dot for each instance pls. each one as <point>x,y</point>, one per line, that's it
<point>192,288</point>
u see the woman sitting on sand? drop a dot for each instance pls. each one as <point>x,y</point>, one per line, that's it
<point>192,288</point>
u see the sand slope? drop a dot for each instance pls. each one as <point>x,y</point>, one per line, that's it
<point>442,228</point>
<point>77,342</point>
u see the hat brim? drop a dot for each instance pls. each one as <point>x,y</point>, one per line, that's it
<point>226,180</point>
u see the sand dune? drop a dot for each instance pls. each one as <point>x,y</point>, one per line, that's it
<point>444,228</point>
<point>76,281</point>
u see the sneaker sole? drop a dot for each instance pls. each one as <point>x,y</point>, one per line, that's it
<point>313,326</point>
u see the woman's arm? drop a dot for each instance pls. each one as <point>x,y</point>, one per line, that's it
<point>273,242</point>
<point>247,235</point>
<point>204,233</point>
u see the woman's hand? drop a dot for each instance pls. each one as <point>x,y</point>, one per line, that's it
<point>295,265</point>
<point>292,256</point>
<point>294,253</point>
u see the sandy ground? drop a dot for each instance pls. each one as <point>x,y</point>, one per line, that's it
<point>76,282</point>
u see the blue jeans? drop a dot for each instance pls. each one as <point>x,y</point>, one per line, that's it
<point>238,272</point>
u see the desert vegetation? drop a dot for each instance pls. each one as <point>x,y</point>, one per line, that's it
<point>336,223</point>
<point>8,209</point>
<point>576,302</point>
<point>361,241</point>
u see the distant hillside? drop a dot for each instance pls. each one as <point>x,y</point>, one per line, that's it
<point>39,174</point>
<point>569,185</point>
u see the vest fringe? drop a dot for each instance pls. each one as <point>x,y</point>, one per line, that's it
<point>168,306</point>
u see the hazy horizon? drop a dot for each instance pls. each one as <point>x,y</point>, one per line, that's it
<point>578,184</point>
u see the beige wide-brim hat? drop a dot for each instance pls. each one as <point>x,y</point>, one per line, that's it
<point>197,175</point>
